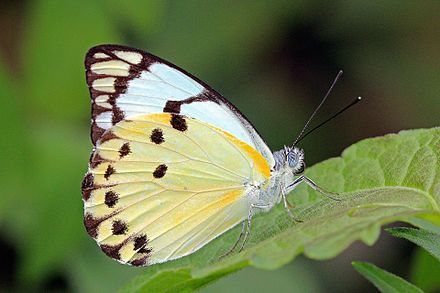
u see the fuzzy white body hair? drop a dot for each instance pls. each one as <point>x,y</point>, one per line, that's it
<point>289,163</point>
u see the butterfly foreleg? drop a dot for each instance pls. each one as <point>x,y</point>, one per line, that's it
<point>321,190</point>
<point>314,186</point>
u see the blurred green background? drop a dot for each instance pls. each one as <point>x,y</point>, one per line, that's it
<point>273,59</point>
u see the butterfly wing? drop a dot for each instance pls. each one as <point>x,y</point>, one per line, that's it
<point>160,186</point>
<point>124,82</point>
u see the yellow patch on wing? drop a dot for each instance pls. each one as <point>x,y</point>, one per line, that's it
<point>227,199</point>
<point>259,162</point>
<point>161,186</point>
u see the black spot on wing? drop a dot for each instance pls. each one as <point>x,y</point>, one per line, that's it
<point>141,261</point>
<point>110,170</point>
<point>157,136</point>
<point>174,106</point>
<point>117,115</point>
<point>140,242</point>
<point>146,250</point>
<point>160,171</point>
<point>124,150</point>
<point>112,250</point>
<point>111,198</point>
<point>119,227</point>
<point>178,122</point>
<point>92,224</point>
<point>87,186</point>
<point>108,135</point>
<point>95,160</point>
<point>96,132</point>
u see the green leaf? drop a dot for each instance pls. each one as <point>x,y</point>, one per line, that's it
<point>429,222</point>
<point>428,240</point>
<point>382,180</point>
<point>424,271</point>
<point>298,276</point>
<point>425,268</point>
<point>383,280</point>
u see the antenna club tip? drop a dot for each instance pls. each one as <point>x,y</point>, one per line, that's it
<point>359,98</point>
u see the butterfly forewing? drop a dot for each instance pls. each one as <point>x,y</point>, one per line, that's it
<point>160,186</point>
<point>126,82</point>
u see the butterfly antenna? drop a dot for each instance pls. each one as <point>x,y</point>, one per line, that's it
<point>358,99</point>
<point>319,106</point>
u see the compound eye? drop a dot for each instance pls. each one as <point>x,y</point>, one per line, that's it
<point>292,160</point>
<point>300,169</point>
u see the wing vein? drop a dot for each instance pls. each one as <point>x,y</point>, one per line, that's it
<point>188,218</point>
<point>127,195</point>
<point>176,206</point>
<point>172,85</point>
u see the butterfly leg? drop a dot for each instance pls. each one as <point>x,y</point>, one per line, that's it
<point>321,190</point>
<point>288,208</point>
<point>248,227</point>
<point>243,226</point>
<point>314,186</point>
<point>245,230</point>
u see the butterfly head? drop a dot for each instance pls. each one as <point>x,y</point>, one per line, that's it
<point>295,159</point>
<point>290,158</point>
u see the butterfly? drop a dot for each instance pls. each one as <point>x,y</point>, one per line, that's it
<point>174,164</point>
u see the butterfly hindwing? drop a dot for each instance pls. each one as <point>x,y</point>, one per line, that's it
<point>160,186</point>
<point>126,82</point>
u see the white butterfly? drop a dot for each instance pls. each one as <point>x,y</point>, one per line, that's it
<point>174,163</point>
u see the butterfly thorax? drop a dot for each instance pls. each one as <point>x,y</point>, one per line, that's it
<point>289,163</point>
